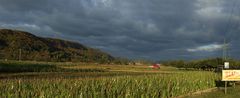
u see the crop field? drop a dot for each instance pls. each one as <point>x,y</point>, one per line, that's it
<point>232,92</point>
<point>48,80</point>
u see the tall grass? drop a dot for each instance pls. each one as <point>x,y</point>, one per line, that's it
<point>144,86</point>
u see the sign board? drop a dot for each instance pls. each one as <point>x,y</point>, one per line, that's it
<point>226,65</point>
<point>230,75</point>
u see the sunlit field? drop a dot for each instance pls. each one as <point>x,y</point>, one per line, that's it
<point>119,49</point>
<point>30,79</point>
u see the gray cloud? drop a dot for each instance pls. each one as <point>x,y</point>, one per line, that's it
<point>152,29</point>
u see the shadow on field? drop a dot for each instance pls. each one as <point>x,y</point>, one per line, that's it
<point>221,84</point>
<point>8,67</point>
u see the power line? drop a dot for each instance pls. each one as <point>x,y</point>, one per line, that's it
<point>229,18</point>
<point>229,25</point>
<point>236,23</point>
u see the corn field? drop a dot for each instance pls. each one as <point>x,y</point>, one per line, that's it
<point>142,86</point>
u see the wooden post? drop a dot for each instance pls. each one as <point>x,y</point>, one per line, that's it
<point>225,87</point>
<point>234,84</point>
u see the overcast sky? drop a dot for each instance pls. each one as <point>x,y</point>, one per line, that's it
<point>151,29</point>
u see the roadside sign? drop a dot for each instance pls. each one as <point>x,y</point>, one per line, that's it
<point>226,65</point>
<point>230,75</point>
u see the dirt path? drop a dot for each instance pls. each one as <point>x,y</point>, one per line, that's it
<point>219,93</point>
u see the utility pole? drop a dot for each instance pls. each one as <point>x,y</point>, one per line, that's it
<point>225,47</point>
<point>225,58</point>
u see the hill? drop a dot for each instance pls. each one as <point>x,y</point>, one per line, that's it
<point>22,45</point>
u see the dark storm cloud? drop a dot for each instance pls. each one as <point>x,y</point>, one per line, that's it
<point>153,29</point>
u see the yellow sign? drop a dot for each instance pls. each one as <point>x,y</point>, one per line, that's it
<point>230,75</point>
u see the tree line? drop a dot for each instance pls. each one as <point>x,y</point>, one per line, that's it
<point>203,64</point>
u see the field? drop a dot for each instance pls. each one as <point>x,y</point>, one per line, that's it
<point>81,80</point>
<point>232,92</point>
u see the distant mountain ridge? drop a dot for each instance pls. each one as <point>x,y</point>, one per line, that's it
<point>22,45</point>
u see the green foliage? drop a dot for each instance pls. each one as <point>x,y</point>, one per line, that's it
<point>16,67</point>
<point>205,64</point>
<point>58,80</point>
<point>16,45</point>
<point>144,86</point>
<point>122,61</point>
<point>177,63</point>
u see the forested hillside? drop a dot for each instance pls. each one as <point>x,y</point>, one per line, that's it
<point>22,45</point>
